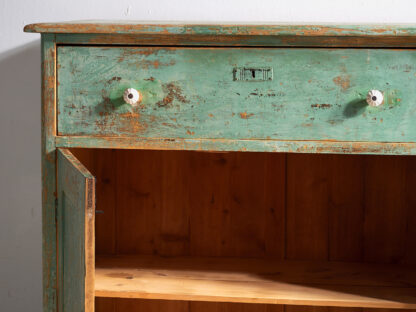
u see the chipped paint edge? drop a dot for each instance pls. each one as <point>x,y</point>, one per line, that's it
<point>223,29</point>
<point>49,230</point>
<point>212,145</point>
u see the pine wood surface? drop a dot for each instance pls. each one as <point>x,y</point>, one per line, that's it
<point>258,205</point>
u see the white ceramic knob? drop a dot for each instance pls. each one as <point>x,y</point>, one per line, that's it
<point>131,96</point>
<point>375,98</point>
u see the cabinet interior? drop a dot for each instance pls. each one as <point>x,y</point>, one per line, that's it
<point>252,231</point>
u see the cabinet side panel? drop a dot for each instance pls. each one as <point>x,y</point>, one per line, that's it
<point>49,265</point>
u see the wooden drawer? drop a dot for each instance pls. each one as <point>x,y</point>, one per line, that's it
<point>298,94</point>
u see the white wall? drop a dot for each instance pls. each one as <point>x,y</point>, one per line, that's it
<point>20,197</point>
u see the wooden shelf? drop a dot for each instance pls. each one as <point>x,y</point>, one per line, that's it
<point>256,281</point>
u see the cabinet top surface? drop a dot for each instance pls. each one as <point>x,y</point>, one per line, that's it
<point>194,28</point>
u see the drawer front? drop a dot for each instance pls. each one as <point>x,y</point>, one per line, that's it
<point>237,93</point>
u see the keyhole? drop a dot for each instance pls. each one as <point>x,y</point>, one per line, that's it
<point>374,98</point>
<point>253,73</point>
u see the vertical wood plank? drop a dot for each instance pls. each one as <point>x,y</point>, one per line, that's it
<point>324,211</point>
<point>107,205</point>
<point>237,204</point>
<point>307,212</point>
<point>410,245</point>
<point>212,204</point>
<point>175,204</point>
<point>346,207</point>
<point>103,166</point>
<point>153,198</point>
<point>49,244</point>
<point>256,206</point>
<point>209,202</point>
<point>245,227</point>
<point>385,209</point>
<point>346,212</point>
<point>105,305</point>
<point>307,207</point>
<point>138,201</point>
<point>274,189</point>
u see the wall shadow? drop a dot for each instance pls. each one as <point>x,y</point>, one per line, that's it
<point>20,179</point>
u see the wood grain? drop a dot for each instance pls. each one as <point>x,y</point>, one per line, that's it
<point>102,165</point>
<point>345,207</point>
<point>307,207</point>
<point>234,214</point>
<point>256,281</point>
<point>233,205</point>
<point>183,203</point>
<point>385,209</point>
<point>139,202</point>
<point>324,204</point>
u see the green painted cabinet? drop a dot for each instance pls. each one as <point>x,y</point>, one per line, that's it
<point>75,224</point>
<point>187,93</point>
<point>193,167</point>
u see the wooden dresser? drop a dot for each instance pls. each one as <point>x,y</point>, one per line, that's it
<point>226,168</point>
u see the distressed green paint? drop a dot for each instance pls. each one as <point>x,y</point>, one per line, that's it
<point>49,257</point>
<point>73,182</point>
<point>322,147</point>
<point>316,94</point>
<point>134,27</point>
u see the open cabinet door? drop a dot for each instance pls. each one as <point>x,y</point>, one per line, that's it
<point>76,213</point>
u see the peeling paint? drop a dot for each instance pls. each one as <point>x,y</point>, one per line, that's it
<point>225,30</point>
<point>321,105</point>
<point>244,115</point>
<point>203,93</point>
<point>342,81</point>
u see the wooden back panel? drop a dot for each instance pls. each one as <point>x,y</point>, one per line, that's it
<point>285,206</point>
